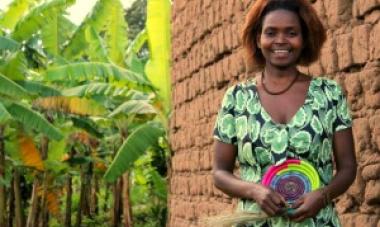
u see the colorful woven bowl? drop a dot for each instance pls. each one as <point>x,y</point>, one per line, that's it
<point>292,179</point>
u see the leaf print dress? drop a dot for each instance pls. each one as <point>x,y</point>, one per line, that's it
<point>261,142</point>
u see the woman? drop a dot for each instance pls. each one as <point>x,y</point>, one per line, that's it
<point>281,113</point>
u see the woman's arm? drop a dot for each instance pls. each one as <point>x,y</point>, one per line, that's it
<point>224,179</point>
<point>345,160</point>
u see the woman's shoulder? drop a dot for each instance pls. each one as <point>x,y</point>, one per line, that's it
<point>326,81</point>
<point>240,86</point>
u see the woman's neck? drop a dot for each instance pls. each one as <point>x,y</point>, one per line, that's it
<point>279,75</point>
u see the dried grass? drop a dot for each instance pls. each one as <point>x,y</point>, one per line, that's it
<point>232,219</point>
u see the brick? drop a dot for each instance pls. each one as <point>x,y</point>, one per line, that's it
<point>360,47</point>
<point>373,17</point>
<point>354,92</point>
<point>374,42</point>
<point>375,130</point>
<point>372,192</point>
<point>329,59</point>
<point>344,51</point>
<point>356,190</point>
<point>371,172</point>
<point>337,12</point>
<point>365,6</point>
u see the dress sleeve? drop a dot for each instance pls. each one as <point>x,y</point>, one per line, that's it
<point>224,129</point>
<point>343,115</point>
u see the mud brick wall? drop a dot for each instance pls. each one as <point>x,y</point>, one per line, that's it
<point>207,58</point>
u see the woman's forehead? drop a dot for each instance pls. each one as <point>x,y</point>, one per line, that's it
<point>281,18</point>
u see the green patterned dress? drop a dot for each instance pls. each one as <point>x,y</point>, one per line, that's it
<point>261,142</point>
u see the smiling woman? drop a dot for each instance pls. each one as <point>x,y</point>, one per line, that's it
<point>281,114</point>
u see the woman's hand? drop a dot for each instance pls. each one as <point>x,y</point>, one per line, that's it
<point>308,206</point>
<point>270,201</point>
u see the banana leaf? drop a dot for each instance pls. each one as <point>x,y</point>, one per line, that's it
<point>96,88</point>
<point>95,19</point>
<point>134,107</point>
<point>38,89</point>
<point>4,114</point>
<point>9,44</point>
<point>37,18</point>
<point>33,120</point>
<point>96,51</point>
<point>133,147</point>
<point>70,105</point>
<point>158,66</point>
<point>15,11</point>
<point>15,67</point>
<point>116,33</point>
<point>138,42</point>
<point>11,88</point>
<point>93,71</point>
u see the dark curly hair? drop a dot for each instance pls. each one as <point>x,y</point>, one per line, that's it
<point>313,32</point>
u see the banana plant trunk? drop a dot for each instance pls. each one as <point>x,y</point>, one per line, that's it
<point>19,215</point>
<point>117,205</point>
<point>69,191</point>
<point>11,204</point>
<point>44,214</point>
<point>127,208</point>
<point>85,194</point>
<point>2,176</point>
<point>33,210</point>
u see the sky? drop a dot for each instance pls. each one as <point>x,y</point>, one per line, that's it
<point>79,10</point>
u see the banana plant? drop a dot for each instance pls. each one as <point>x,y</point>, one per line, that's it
<point>86,76</point>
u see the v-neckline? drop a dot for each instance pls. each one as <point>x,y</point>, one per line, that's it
<point>307,96</point>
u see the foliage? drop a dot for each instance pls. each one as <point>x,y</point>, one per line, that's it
<point>75,103</point>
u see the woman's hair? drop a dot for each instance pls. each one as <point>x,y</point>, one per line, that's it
<point>313,32</point>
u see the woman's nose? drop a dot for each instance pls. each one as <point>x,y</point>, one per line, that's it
<point>280,38</point>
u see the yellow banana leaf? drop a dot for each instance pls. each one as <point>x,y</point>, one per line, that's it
<point>73,105</point>
<point>158,29</point>
<point>29,153</point>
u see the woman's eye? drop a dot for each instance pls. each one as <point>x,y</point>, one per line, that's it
<point>269,33</point>
<point>293,34</point>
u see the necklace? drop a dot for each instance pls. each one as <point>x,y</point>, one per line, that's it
<point>277,92</point>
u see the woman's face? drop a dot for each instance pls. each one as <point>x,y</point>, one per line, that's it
<point>281,40</point>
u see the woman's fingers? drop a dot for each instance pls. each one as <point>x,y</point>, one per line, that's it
<point>299,214</point>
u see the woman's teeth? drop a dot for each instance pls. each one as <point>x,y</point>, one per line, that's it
<point>281,51</point>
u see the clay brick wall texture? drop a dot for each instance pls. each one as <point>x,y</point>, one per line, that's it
<point>207,58</point>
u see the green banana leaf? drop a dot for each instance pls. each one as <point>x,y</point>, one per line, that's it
<point>15,67</point>
<point>159,183</point>
<point>96,51</point>
<point>11,88</point>
<point>50,34</point>
<point>37,18</point>
<point>15,11</point>
<point>55,33</point>
<point>116,31</point>
<point>9,44</point>
<point>133,147</point>
<point>88,125</point>
<point>96,88</point>
<point>93,71</point>
<point>38,89</point>
<point>138,42</point>
<point>134,107</point>
<point>96,19</point>
<point>33,120</point>
<point>4,114</point>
